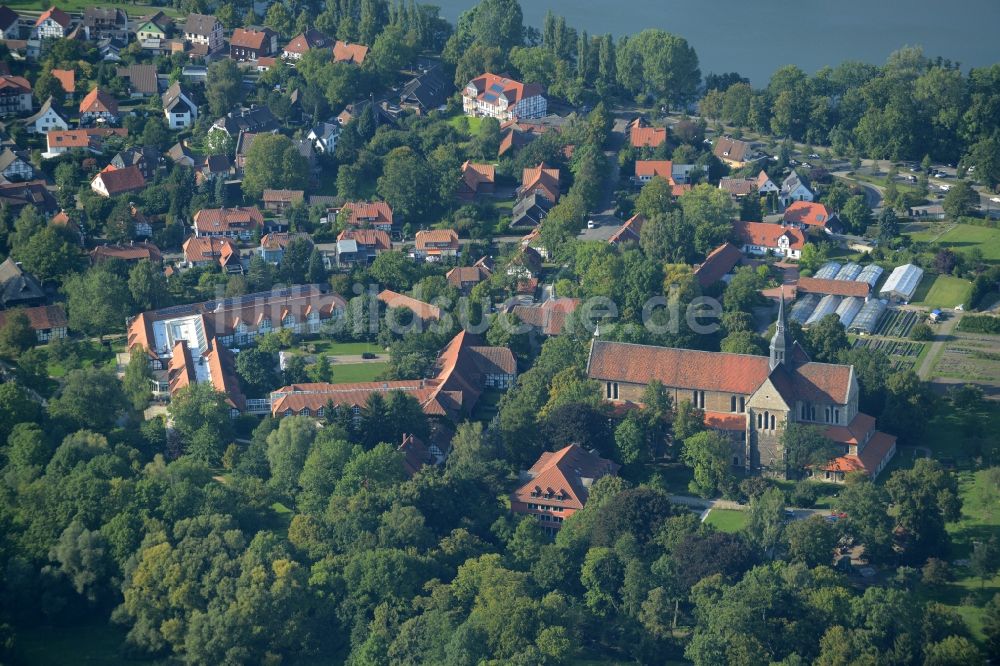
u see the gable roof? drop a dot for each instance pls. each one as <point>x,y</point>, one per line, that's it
<point>200,24</point>
<point>424,238</point>
<point>66,78</point>
<point>647,137</point>
<point>217,219</point>
<point>662,168</point>
<point>349,53</point>
<point>630,231</point>
<point>374,212</point>
<point>250,39</point>
<point>375,238</point>
<point>310,39</point>
<point>541,178</point>
<point>429,90</point>
<point>200,248</point>
<point>16,285</point>
<point>549,316</point>
<point>141,78</point>
<point>98,101</point>
<point>175,96</point>
<point>57,15</point>
<point>731,149</point>
<point>490,87</point>
<point>47,105</point>
<point>8,17</point>
<point>567,473</point>
<point>18,83</point>
<point>424,311</point>
<point>766,234</point>
<point>475,174</point>
<point>719,262</point>
<point>41,318</point>
<point>119,181</point>
<point>811,285</point>
<point>792,182</point>
<point>737,186</point>
<point>283,196</point>
<point>808,213</point>
<point>33,192</point>
<point>460,275</point>
<point>131,252</point>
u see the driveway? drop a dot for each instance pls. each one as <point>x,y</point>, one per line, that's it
<point>941,337</point>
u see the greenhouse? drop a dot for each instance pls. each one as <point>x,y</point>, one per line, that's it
<point>902,283</point>
<point>870,274</point>
<point>827,271</point>
<point>848,272</point>
<point>804,307</point>
<point>848,309</point>
<point>867,319</point>
<point>827,306</point>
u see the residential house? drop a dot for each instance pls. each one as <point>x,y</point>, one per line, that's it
<point>46,119</point>
<point>427,91</point>
<point>464,369</point>
<point>141,80</point>
<point>808,215</point>
<point>718,264</point>
<point>765,185</point>
<point>212,168</point>
<point>47,321</point>
<point>203,30</point>
<point>356,246</point>
<point>422,311</point>
<point>305,42</point>
<point>273,245</point>
<point>417,455</point>
<point>281,200</point>
<point>235,223</point>
<point>374,215</point>
<point>558,485</point>
<point>530,210</point>
<point>763,238</point>
<point>476,179</point>
<point>18,288</point>
<point>63,141</point>
<point>179,153</point>
<point>751,398</point>
<point>15,196</point>
<point>737,188</point>
<point>155,28</point>
<point>641,135</point>
<point>178,108</point>
<point>324,137</point>
<point>111,182</point>
<point>629,232</point>
<point>547,317</point>
<point>350,54</point>
<point>53,23</point>
<point>794,188</point>
<point>254,120</point>
<point>15,95</point>
<point>436,244</point>
<point>243,142</point>
<point>67,80</point>
<point>211,251</point>
<point>464,278</point>
<point>733,152</point>
<point>98,107</point>
<point>142,227</point>
<point>132,253</point>
<point>646,170</point>
<point>105,23</point>
<point>14,168</point>
<point>62,219</point>
<point>494,96</point>
<point>147,158</point>
<point>541,179</point>
<point>252,44</point>
<point>10,23</point>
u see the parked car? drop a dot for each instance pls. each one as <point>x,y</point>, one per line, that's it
<point>368,356</point>
<point>592,224</point>
<point>940,174</point>
<point>995,199</point>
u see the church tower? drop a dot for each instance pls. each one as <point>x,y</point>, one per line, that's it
<point>781,343</point>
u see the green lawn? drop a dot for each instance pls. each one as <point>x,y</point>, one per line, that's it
<point>466,123</point>
<point>949,437</point>
<point>134,11</point>
<point>86,353</point>
<point>942,291</point>
<point>727,520</point>
<point>332,348</point>
<point>358,372</point>
<point>962,238</point>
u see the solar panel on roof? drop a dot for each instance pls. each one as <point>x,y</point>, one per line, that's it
<point>490,97</point>
<point>496,87</point>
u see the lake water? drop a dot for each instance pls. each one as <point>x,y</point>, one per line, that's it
<point>755,37</point>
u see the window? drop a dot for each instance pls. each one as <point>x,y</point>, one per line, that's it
<point>743,404</point>
<point>772,421</point>
<point>827,414</point>
<point>614,390</point>
<point>736,461</point>
<point>732,403</point>
<point>607,390</point>
<point>836,416</point>
<point>759,421</point>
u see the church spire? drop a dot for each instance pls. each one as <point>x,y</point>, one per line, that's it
<point>781,343</point>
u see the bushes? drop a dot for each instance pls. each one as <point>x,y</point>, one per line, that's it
<point>980,324</point>
<point>922,332</point>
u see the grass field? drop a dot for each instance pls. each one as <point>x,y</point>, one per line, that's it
<point>357,372</point>
<point>942,291</point>
<point>961,238</point>
<point>332,348</point>
<point>727,520</point>
<point>74,6</point>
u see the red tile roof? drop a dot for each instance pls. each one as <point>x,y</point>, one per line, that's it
<point>424,311</point>
<point>212,220</point>
<point>765,234</point>
<point>66,78</point>
<point>719,261</point>
<point>737,186</point>
<point>726,421</point>
<point>648,137</point>
<point>19,82</point>
<point>133,252</point>
<point>731,149</point>
<point>651,168</point>
<point>308,40</point>
<point>566,474</point>
<point>424,239</point>
<point>57,15</point>
<point>808,213</point>
<point>283,196</point>
<point>40,318</point>
<point>475,174</point>
<point>880,447</point>
<point>856,432</point>
<point>375,238</point>
<point>513,91</point>
<point>119,181</point>
<point>415,454</point>
<point>541,177</point>
<point>550,316</point>
<point>349,53</point>
<point>377,213</point>
<point>630,231</point>
<point>98,101</point>
<point>809,285</point>
<point>249,39</point>
<point>197,249</point>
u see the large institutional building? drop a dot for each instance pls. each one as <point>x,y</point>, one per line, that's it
<point>751,398</point>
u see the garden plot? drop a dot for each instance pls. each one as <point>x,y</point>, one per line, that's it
<point>970,359</point>
<point>897,323</point>
<point>902,354</point>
